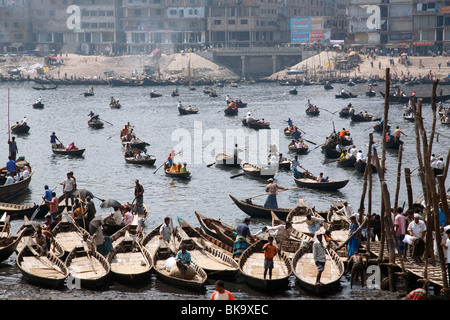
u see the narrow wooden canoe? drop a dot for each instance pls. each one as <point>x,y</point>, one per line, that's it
<point>159,261</point>
<point>11,191</point>
<point>217,229</point>
<point>68,234</point>
<point>258,211</point>
<point>149,161</point>
<point>303,150</point>
<point>360,166</point>
<point>20,128</point>
<point>92,270</point>
<point>213,260</point>
<point>311,183</point>
<point>251,265</point>
<point>9,244</point>
<point>63,151</point>
<point>297,216</point>
<point>258,171</point>
<point>96,124</point>
<point>135,145</point>
<point>198,233</point>
<point>305,270</point>
<point>361,118</point>
<point>135,228</point>
<point>43,270</point>
<point>38,105</point>
<point>227,160</point>
<point>184,111</point>
<point>130,261</point>
<point>19,211</point>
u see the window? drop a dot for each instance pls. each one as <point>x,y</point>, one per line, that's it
<point>244,21</point>
<point>217,22</point>
<point>231,21</point>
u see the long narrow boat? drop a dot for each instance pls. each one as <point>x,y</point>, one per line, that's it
<point>68,234</point>
<point>392,144</point>
<point>258,211</point>
<point>298,215</point>
<point>360,166</point>
<point>19,211</point>
<point>214,261</point>
<point>305,270</point>
<point>159,265</point>
<point>227,160</point>
<point>302,150</point>
<point>151,241</point>
<point>5,226</point>
<point>63,151</point>
<point>404,99</point>
<point>251,265</point>
<point>217,229</point>
<point>309,181</point>
<point>139,144</point>
<point>355,117</point>
<point>96,124</point>
<point>176,175</point>
<point>11,191</point>
<point>146,161</point>
<point>198,233</point>
<point>135,229</point>
<point>130,261</point>
<point>44,270</point>
<point>252,170</point>
<point>90,268</point>
<point>184,111</point>
<point>9,244</point>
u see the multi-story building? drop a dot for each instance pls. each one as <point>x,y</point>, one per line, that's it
<point>15,26</point>
<point>247,23</point>
<point>170,25</point>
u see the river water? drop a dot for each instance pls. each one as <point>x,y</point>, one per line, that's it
<point>103,171</point>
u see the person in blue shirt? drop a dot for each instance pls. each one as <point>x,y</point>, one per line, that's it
<point>11,165</point>
<point>183,258</point>
<point>47,194</point>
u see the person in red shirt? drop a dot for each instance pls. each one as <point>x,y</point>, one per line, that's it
<point>269,253</point>
<point>221,293</point>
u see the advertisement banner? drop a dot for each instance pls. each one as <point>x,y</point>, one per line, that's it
<point>316,36</point>
<point>444,9</point>
<point>300,37</point>
<point>300,23</point>
<point>316,23</point>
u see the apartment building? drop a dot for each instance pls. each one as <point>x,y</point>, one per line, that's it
<point>15,26</point>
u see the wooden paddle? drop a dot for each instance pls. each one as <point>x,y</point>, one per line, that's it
<point>310,142</point>
<point>237,175</point>
<point>107,122</point>
<point>158,168</point>
<point>263,194</point>
<point>40,259</point>
<point>211,164</point>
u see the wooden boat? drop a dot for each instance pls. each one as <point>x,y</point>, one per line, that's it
<point>90,268</point>
<point>176,175</point>
<point>115,105</point>
<point>96,124</point>
<point>360,166</point>
<point>347,161</point>
<point>445,120</point>
<point>213,260</point>
<point>344,113</point>
<point>135,145</point>
<point>38,105</point>
<point>5,226</point>
<point>379,127</point>
<point>213,94</point>
<point>346,95</point>
<point>297,217</point>
<point>198,233</point>
<point>404,99</point>
<point>88,94</point>
<point>9,244</point>
<point>284,165</point>
<point>305,270</point>
<point>231,111</point>
<point>184,111</point>
<point>258,211</point>
<point>175,93</point>
<point>312,112</point>
<point>361,118</point>
<point>18,211</point>
<point>234,85</point>
<point>20,128</point>
<point>151,241</point>
<point>328,87</point>
<point>251,265</point>
<point>217,229</point>
<point>11,191</point>
<point>304,150</point>
<point>61,150</point>
<point>41,88</point>
<point>371,93</point>
<point>146,161</point>
<point>45,270</point>
<point>288,133</point>
<point>256,124</point>
<point>307,180</point>
<point>293,91</point>
<point>135,229</point>
<point>409,116</point>
<point>240,104</point>
<point>130,262</point>
<point>68,234</point>
<point>392,144</point>
<point>155,94</point>
<point>159,260</point>
<point>258,171</point>
<point>223,159</point>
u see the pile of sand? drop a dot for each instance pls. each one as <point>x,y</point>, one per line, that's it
<point>170,66</point>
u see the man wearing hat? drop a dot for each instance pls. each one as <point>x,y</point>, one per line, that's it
<point>418,230</point>
<point>271,189</point>
<point>319,256</point>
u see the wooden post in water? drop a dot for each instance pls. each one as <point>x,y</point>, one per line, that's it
<point>409,188</point>
<point>399,174</point>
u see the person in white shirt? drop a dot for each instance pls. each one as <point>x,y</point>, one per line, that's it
<point>166,230</point>
<point>313,223</point>
<point>360,156</point>
<point>446,246</point>
<point>417,229</point>
<point>319,256</point>
<point>282,232</point>
<point>9,179</point>
<point>347,210</point>
<point>117,216</point>
<point>68,189</point>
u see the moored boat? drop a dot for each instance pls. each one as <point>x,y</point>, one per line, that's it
<point>258,211</point>
<point>307,180</point>
<point>217,229</point>
<point>9,244</point>
<point>264,172</point>
<point>11,191</point>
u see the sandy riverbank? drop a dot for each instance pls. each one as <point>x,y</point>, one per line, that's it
<point>170,66</point>
<point>319,63</point>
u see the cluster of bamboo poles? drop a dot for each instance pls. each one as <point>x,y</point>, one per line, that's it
<point>433,190</point>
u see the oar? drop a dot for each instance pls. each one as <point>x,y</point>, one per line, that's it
<point>319,146</point>
<point>211,164</point>
<point>106,121</point>
<point>39,208</point>
<point>113,135</point>
<point>326,110</point>
<point>310,142</point>
<point>158,168</point>
<point>40,259</point>
<point>237,175</point>
<point>263,194</point>
<point>4,226</point>
<point>330,161</point>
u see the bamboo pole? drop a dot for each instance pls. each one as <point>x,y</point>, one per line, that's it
<point>443,198</point>
<point>409,188</point>
<point>399,174</point>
